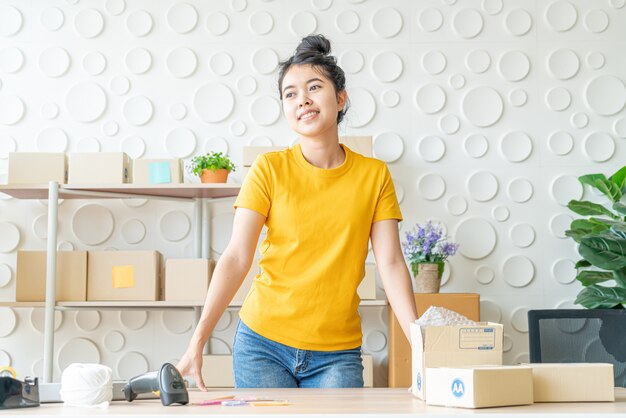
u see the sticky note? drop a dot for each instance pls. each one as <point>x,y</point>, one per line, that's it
<point>123,276</point>
<point>160,172</point>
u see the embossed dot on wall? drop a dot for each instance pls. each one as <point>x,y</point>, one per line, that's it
<point>8,321</point>
<point>92,224</point>
<point>387,22</point>
<point>561,15</point>
<point>477,238</point>
<point>11,21</point>
<point>518,271</point>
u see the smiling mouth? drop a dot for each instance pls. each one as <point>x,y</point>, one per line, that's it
<point>308,115</point>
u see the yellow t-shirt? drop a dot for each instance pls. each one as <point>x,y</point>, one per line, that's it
<point>312,260</point>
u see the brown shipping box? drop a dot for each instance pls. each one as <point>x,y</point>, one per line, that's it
<point>71,276</point>
<point>467,304</point>
<point>142,167</point>
<point>37,167</point>
<point>187,279</point>
<point>124,276</point>
<point>573,382</point>
<point>99,168</point>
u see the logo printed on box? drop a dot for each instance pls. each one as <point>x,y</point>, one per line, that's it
<point>419,380</point>
<point>458,388</point>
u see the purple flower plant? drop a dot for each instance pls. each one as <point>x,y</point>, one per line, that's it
<point>427,244</point>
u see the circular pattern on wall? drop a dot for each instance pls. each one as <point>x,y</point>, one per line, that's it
<point>139,23</point>
<point>217,144</point>
<point>518,22</point>
<point>565,188</point>
<point>265,110</point>
<point>54,62</point>
<point>177,322</point>
<point>87,320</point>
<point>431,186</point>
<point>134,146</point>
<point>49,110</point>
<point>375,341</point>
<point>138,110</point>
<point>596,21</point>
<point>77,350</point>
<point>37,319</point>
<point>387,66</point>
<point>92,224</point>
<point>5,358</point>
<point>449,124</point>
<point>560,223</point>
<point>519,321</point>
<point>476,145</point>
<point>563,64</point>
<point>8,320</point>
<point>352,61</point>
<point>478,61</point>
<point>114,341</point>
<point>303,23</point>
<point>430,98</point>
<point>500,213</point>
<point>430,19</point>
<point>133,319</point>
<point>467,23</point>
<point>561,143</point>
<point>347,21</point>
<point>10,20</point>
<point>52,140</point>
<point>580,120</point>
<point>221,63</point>
<point>115,7</point>
<point>6,274</point>
<point>7,145</point>
<point>180,142</point>
<point>11,110</point>
<point>492,7</point>
<point>558,99</point>
<point>561,15</point>
<point>181,62</point>
<point>390,98</point>
<point>477,238</point>
<point>131,364</point>
<point>518,97</point>
<point>482,106</point>
<point>386,22</point>
<point>133,231</point>
<point>431,148</point>
<point>518,271</point>
<point>516,146</point>
<point>213,102</point>
<point>110,128</point>
<point>264,60</point>
<point>89,23</point>
<point>88,145</point>
<point>182,18</point>
<point>619,127</point>
<point>138,60</point>
<point>434,62</point>
<point>363,107</point>
<point>388,146</point>
<point>119,85</point>
<point>456,81</point>
<point>520,190</point>
<point>605,95</point>
<point>178,111</point>
<point>564,271</point>
<point>94,63</point>
<point>482,186</point>
<point>484,274</point>
<point>174,225</point>
<point>10,237</point>
<point>217,23</point>
<point>599,146</point>
<point>261,23</point>
<point>514,65</point>
<point>246,85</point>
<point>456,205</point>
<point>522,235</point>
<point>490,311</point>
<point>595,60</point>
<point>11,60</point>
<point>86,102</point>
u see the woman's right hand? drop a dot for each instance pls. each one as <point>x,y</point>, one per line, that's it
<point>191,365</point>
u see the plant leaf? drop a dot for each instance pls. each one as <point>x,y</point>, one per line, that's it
<point>619,177</point>
<point>590,179</point>
<point>620,277</point>
<point>609,189</point>
<point>604,250</point>
<point>600,297</point>
<point>582,263</point>
<point>591,277</point>
<point>619,229</point>
<point>586,208</point>
<point>576,234</point>
<point>620,208</point>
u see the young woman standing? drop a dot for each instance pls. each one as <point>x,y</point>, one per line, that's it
<point>321,202</point>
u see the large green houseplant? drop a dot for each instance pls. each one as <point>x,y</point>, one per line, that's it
<point>601,238</point>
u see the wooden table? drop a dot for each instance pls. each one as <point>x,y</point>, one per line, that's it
<point>311,403</point>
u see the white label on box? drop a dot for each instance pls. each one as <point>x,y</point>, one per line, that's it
<point>478,338</point>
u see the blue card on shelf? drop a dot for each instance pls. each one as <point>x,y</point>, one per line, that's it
<point>160,172</point>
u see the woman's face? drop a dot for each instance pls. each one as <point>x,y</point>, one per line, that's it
<point>310,101</point>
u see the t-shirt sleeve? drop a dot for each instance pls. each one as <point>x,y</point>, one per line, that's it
<point>255,192</point>
<point>387,206</point>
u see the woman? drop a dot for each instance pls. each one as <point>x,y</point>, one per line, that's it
<point>321,202</point>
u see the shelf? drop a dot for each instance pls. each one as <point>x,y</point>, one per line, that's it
<point>140,304</point>
<point>72,191</point>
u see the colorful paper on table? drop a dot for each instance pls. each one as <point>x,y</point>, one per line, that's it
<point>123,277</point>
<point>160,172</point>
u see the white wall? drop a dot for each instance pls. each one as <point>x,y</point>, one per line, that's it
<point>486,112</point>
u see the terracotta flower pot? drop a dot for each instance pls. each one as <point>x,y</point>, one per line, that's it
<point>217,176</point>
<point>427,277</point>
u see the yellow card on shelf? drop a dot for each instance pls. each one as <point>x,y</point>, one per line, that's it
<point>123,276</point>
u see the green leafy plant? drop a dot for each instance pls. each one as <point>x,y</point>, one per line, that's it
<point>601,238</point>
<point>212,161</point>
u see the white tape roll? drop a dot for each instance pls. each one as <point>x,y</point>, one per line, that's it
<point>87,385</point>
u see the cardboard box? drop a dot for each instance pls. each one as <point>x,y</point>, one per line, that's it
<point>452,346</point>
<point>37,167</point>
<point>479,386</point>
<point>466,304</point>
<point>187,279</point>
<point>244,289</point>
<point>71,276</point>
<point>124,276</point>
<point>217,371</point>
<point>368,371</point>
<point>359,144</point>
<point>573,382</point>
<point>157,171</point>
<point>99,168</point>
<point>367,287</point>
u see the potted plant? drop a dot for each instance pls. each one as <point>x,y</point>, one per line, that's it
<point>213,167</point>
<point>427,249</point>
<point>601,238</point>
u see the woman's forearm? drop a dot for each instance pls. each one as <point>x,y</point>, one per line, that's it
<point>397,283</point>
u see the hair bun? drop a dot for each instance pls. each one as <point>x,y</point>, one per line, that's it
<point>314,44</point>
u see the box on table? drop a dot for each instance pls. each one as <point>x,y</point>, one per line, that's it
<point>479,386</point>
<point>466,304</point>
<point>37,167</point>
<point>157,171</point>
<point>217,371</point>
<point>573,382</point>
<point>452,346</point>
<point>367,287</point>
<point>99,168</point>
<point>187,279</point>
<point>360,144</point>
<point>368,371</point>
<point>124,276</point>
<point>71,276</point>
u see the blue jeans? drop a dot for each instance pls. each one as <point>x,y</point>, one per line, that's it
<point>259,362</point>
